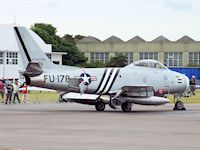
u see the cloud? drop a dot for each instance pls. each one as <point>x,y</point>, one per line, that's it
<point>178,5</point>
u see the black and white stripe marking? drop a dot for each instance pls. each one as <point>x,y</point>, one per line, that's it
<point>104,74</point>
<point>107,80</point>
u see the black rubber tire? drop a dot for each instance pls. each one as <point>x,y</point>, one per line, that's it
<point>100,106</point>
<point>179,105</point>
<point>126,107</point>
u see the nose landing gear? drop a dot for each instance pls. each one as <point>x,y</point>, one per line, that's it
<point>179,105</point>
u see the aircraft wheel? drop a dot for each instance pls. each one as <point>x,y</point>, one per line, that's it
<point>179,106</point>
<point>126,107</point>
<point>100,106</point>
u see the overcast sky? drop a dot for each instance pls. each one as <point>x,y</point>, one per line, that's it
<point>104,18</point>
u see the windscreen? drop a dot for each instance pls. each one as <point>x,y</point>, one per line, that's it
<point>150,64</point>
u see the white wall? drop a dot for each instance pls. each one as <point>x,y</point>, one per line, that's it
<point>7,38</point>
<point>57,57</point>
<point>8,44</point>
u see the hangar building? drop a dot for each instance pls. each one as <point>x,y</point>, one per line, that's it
<point>181,53</point>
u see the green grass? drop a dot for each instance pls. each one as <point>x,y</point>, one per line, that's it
<point>53,97</point>
<point>44,96</point>
<point>194,99</point>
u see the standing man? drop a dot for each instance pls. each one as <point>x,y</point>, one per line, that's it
<point>9,89</point>
<point>16,91</point>
<point>193,85</point>
<point>2,90</point>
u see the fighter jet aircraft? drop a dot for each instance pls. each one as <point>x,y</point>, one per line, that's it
<point>144,82</point>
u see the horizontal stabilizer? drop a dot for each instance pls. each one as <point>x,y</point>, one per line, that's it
<point>33,69</point>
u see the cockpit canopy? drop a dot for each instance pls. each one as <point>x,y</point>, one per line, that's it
<point>149,63</point>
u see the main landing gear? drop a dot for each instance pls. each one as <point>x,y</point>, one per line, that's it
<point>100,106</point>
<point>126,107</point>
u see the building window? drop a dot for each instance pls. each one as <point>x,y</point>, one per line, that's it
<point>11,58</point>
<point>173,59</point>
<point>194,58</point>
<point>1,57</point>
<point>56,62</point>
<point>49,56</point>
<point>149,55</point>
<point>104,57</point>
<point>128,55</point>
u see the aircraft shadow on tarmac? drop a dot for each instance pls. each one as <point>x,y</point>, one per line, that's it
<point>46,109</point>
<point>146,111</point>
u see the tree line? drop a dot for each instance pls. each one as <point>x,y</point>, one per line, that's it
<point>67,44</point>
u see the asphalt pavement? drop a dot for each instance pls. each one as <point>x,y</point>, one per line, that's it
<point>62,126</point>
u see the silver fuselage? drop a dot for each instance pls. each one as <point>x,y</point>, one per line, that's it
<point>108,80</point>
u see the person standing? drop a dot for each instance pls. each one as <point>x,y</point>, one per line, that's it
<point>2,90</point>
<point>6,81</point>
<point>193,85</point>
<point>24,93</point>
<point>16,91</point>
<point>9,89</point>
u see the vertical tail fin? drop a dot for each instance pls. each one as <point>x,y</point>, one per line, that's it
<point>30,50</point>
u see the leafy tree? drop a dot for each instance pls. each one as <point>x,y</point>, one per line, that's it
<point>97,64</point>
<point>117,61</point>
<point>193,65</point>
<point>72,40</point>
<point>48,33</point>
<point>69,39</point>
<point>78,37</point>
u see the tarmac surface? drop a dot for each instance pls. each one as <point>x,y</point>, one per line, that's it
<point>55,126</point>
